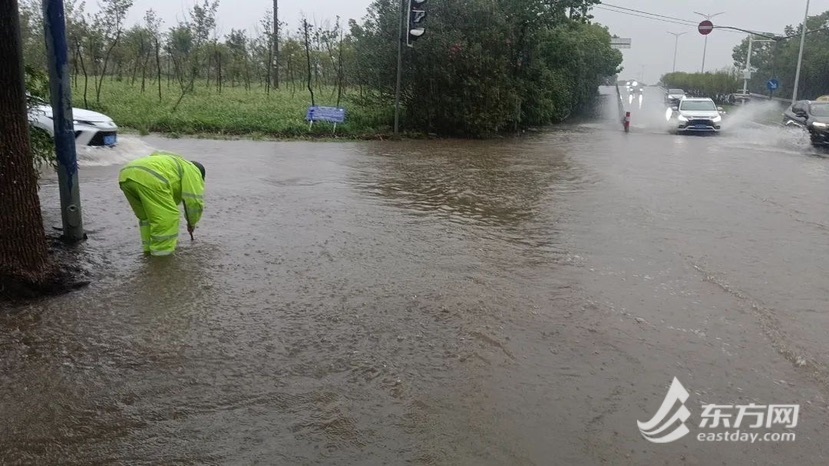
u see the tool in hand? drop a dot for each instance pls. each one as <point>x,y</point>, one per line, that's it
<point>189,227</point>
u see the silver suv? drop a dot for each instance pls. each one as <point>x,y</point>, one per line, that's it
<point>694,115</point>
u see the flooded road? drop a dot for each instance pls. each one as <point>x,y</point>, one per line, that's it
<point>438,302</point>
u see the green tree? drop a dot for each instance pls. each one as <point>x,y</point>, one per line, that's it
<point>779,59</point>
<point>484,66</point>
<point>718,86</point>
<point>487,66</point>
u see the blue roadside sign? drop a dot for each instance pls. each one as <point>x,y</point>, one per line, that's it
<point>773,84</point>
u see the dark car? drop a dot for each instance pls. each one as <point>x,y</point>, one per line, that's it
<point>811,115</point>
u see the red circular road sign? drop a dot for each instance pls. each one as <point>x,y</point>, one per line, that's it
<point>705,27</point>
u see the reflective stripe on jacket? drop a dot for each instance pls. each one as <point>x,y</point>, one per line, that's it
<point>166,171</point>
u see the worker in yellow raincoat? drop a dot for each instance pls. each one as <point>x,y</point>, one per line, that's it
<point>155,186</point>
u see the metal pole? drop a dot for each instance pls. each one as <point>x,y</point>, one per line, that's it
<point>676,45</point>
<point>800,55</point>
<point>748,65</point>
<point>704,51</point>
<point>399,68</point>
<point>61,97</point>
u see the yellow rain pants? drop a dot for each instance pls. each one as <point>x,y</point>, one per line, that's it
<point>154,186</point>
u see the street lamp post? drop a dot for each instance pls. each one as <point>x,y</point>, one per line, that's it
<point>705,49</point>
<point>748,65</point>
<point>747,71</point>
<point>800,54</point>
<point>676,44</point>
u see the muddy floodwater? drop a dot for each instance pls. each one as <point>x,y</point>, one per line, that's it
<point>521,301</point>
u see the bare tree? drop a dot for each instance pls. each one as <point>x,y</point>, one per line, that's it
<point>110,22</point>
<point>305,27</point>
<point>267,28</point>
<point>340,64</point>
<point>189,45</point>
<point>276,44</point>
<point>153,24</point>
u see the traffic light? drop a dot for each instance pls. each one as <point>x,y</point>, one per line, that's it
<point>416,16</point>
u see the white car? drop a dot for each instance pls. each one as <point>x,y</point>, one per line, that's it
<point>694,115</point>
<point>91,128</point>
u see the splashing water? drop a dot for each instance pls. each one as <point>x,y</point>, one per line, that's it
<point>129,148</point>
<point>758,125</point>
<point>754,113</point>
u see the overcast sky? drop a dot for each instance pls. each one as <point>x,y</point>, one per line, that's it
<point>652,49</point>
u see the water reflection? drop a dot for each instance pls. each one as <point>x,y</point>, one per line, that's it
<point>465,182</point>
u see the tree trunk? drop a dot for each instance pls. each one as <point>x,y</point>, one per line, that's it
<point>100,81</point>
<point>291,76</point>
<point>308,57</point>
<point>85,75</point>
<point>276,44</point>
<point>247,74</point>
<point>209,62</point>
<point>158,67</point>
<point>340,73</point>
<point>24,258</point>
<point>268,70</point>
<point>75,69</point>
<point>218,72</point>
<point>135,69</point>
<point>144,71</point>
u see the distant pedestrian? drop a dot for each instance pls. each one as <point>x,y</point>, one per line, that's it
<point>155,186</point>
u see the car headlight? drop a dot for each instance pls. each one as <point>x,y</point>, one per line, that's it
<point>682,118</point>
<point>820,125</point>
<point>717,119</point>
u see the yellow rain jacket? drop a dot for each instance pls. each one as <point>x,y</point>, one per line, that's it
<point>154,187</point>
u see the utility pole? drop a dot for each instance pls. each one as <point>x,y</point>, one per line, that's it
<point>61,95</point>
<point>399,68</point>
<point>747,72</point>
<point>748,65</point>
<point>800,55</point>
<point>705,49</point>
<point>276,44</point>
<point>676,44</point>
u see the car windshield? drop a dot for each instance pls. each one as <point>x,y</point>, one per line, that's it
<point>820,110</point>
<point>706,105</point>
<point>676,91</point>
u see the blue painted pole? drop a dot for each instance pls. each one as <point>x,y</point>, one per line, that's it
<point>54,22</point>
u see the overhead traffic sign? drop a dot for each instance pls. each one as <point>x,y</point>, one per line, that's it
<point>705,27</point>
<point>620,43</point>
